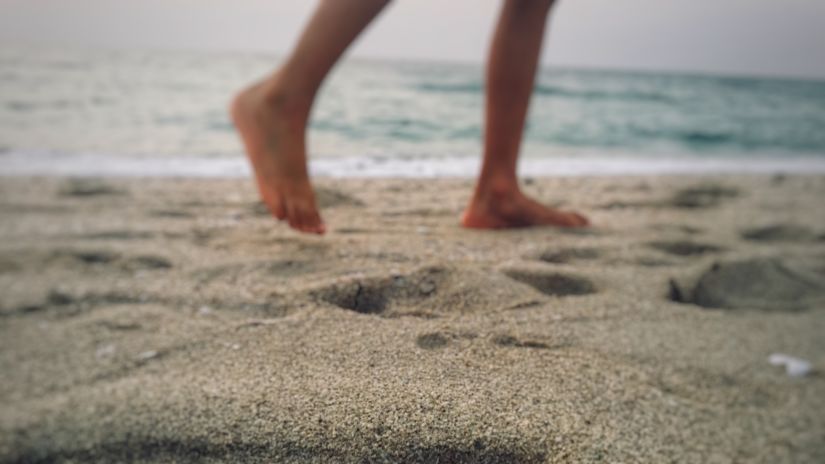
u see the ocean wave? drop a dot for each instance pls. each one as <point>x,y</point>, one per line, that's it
<point>152,103</point>
<point>705,138</point>
<point>475,87</point>
<point>450,87</point>
<point>562,92</point>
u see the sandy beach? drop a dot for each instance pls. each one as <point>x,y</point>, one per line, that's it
<point>173,320</point>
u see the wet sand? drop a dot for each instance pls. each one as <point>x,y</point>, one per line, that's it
<point>171,320</point>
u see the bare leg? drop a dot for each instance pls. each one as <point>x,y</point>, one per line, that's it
<point>497,201</point>
<point>271,116</point>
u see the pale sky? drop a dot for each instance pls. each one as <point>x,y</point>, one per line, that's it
<point>767,37</point>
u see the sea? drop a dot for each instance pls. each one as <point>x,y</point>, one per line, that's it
<point>74,111</point>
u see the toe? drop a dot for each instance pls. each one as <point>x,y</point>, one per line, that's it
<point>318,226</point>
<point>293,217</point>
<point>278,211</point>
<point>273,204</point>
<point>276,208</point>
<point>311,220</point>
<point>305,218</point>
<point>581,221</point>
<point>573,220</point>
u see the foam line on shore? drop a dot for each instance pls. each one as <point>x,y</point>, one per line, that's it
<point>22,164</point>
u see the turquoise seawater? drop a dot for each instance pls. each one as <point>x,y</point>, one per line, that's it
<point>151,105</point>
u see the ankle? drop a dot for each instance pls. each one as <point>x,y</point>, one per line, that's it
<point>496,190</point>
<point>276,94</point>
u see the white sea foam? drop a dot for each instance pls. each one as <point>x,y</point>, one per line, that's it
<point>22,164</point>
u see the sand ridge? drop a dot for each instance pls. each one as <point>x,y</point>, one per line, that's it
<point>172,320</point>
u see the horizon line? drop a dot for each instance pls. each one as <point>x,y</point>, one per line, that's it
<point>544,66</point>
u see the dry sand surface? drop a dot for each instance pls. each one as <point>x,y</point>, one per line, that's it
<point>171,320</point>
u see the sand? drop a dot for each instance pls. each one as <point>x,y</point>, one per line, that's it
<point>171,320</point>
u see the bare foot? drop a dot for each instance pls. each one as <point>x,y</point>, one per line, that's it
<point>511,209</point>
<point>272,128</point>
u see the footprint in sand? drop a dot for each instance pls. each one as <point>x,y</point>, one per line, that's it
<point>420,213</point>
<point>681,228</point>
<point>552,283</point>
<point>8,265</point>
<point>88,187</point>
<point>649,261</point>
<point>760,283</point>
<point>509,341</point>
<point>779,233</point>
<point>93,257</point>
<point>427,293</point>
<point>351,230</point>
<point>172,214</point>
<point>627,204</point>
<point>69,303</point>
<point>119,235</point>
<point>331,198</point>
<point>437,340</point>
<point>685,248</point>
<point>432,341</point>
<point>567,255</point>
<point>146,262</point>
<point>284,268</point>
<point>377,295</point>
<point>702,196</point>
<point>110,258</point>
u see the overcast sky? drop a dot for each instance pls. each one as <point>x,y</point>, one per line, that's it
<point>773,37</point>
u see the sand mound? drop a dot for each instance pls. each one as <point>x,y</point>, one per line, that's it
<point>760,283</point>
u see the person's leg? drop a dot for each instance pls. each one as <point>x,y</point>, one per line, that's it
<point>497,201</point>
<point>271,116</point>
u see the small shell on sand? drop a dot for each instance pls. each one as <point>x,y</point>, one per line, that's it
<point>794,367</point>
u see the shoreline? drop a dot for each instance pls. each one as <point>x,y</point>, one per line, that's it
<point>22,165</point>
